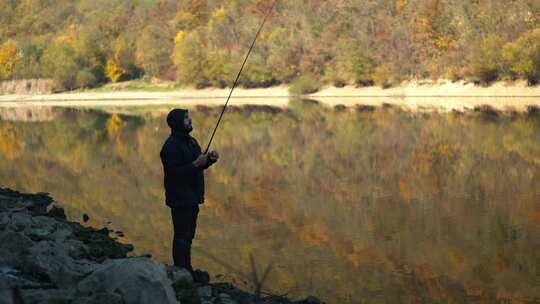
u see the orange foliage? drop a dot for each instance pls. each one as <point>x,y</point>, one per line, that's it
<point>314,235</point>
<point>405,190</point>
<point>400,5</point>
<point>534,215</point>
<point>8,58</point>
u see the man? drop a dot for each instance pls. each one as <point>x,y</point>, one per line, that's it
<point>183,166</point>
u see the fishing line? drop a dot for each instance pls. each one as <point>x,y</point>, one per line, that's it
<point>238,76</point>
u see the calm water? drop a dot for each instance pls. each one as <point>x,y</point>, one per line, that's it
<point>351,206</point>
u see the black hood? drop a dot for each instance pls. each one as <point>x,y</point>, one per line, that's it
<point>175,120</point>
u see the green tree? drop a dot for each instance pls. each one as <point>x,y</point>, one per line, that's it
<point>523,56</point>
<point>485,59</point>
<point>350,65</point>
<point>85,79</point>
<point>60,63</point>
<point>154,48</point>
<point>29,64</point>
<point>190,60</point>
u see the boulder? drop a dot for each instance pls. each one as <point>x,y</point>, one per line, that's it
<point>35,296</point>
<point>136,280</point>
<point>179,276</point>
<point>18,246</point>
<point>6,296</point>
<point>205,292</point>
<point>54,260</point>
<point>226,299</point>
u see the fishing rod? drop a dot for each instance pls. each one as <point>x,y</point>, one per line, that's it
<point>238,76</point>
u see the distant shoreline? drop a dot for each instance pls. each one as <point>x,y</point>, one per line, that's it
<point>415,96</point>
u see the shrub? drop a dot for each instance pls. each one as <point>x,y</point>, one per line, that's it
<point>257,74</point>
<point>351,63</point>
<point>305,84</point>
<point>384,76</point>
<point>28,67</point>
<point>85,79</point>
<point>154,47</point>
<point>190,60</point>
<point>523,56</point>
<point>485,59</point>
<point>59,63</point>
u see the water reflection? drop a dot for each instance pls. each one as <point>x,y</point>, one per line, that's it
<point>367,206</point>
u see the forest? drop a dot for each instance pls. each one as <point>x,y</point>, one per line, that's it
<point>305,43</point>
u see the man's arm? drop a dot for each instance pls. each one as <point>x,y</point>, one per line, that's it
<point>176,163</point>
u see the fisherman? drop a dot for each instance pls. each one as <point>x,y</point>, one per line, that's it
<point>183,166</point>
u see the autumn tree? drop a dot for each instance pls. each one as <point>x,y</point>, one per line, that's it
<point>154,48</point>
<point>59,63</point>
<point>523,56</point>
<point>9,56</point>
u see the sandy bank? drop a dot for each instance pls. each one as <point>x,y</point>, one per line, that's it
<point>426,95</point>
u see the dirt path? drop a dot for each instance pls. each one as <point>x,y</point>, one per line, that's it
<point>444,96</point>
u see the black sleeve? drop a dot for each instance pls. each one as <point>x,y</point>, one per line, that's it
<point>176,163</point>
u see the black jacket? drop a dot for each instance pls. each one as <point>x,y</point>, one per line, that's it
<point>184,183</point>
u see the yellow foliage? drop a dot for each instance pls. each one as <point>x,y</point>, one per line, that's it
<point>179,37</point>
<point>114,71</point>
<point>444,150</point>
<point>9,146</point>
<point>114,124</point>
<point>219,13</point>
<point>314,235</point>
<point>400,5</point>
<point>456,260</point>
<point>8,58</point>
<point>443,43</point>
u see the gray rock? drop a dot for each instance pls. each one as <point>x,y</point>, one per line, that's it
<point>204,292</point>
<point>136,280</point>
<point>226,299</point>
<point>18,247</point>
<point>102,298</point>
<point>60,235</point>
<point>179,275</point>
<point>54,259</point>
<point>20,220</point>
<point>6,296</point>
<point>5,219</point>
<point>42,296</point>
<point>45,222</point>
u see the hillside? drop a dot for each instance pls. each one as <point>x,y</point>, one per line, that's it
<point>86,43</point>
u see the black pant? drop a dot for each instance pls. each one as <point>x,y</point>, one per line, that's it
<point>185,223</point>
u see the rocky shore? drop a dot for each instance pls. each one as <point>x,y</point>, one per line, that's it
<point>45,258</point>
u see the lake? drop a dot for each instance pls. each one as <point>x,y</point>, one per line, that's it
<point>352,205</point>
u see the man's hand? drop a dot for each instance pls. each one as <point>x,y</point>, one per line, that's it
<point>201,160</point>
<point>213,157</point>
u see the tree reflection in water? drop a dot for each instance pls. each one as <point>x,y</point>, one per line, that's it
<point>370,206</point>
